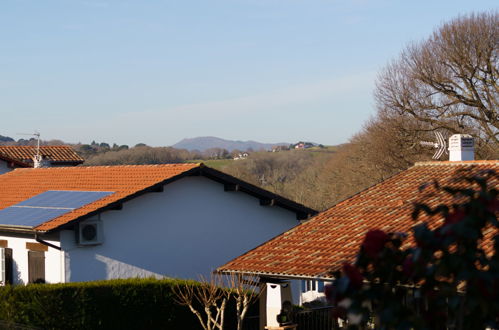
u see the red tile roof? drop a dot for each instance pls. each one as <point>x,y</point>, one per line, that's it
<point>125,181</point>
<point>56,154</point>
<point>321,245</point>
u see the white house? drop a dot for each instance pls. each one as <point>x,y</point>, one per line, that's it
<point>311,254</point>
<point>12,157</point>
<point>92,223</point>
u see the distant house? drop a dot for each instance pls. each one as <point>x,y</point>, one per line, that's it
<point>93,223</point>
<point>242,155</point>
<point>303,145</point>
<point>23,156</point>
<point>309,254</point>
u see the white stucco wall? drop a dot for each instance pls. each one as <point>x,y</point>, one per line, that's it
<point>189,229</point>
<point>54,260</point>
<point>4,168</point>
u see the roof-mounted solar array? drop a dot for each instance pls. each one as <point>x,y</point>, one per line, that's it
<point>47,206</point>
<point>64,199</point>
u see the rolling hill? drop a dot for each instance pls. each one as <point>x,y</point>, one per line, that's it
<point>206,142</point>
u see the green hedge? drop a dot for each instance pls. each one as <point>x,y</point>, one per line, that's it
<point>115,304</point>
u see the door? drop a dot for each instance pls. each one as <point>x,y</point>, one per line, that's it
<point>36,267</point>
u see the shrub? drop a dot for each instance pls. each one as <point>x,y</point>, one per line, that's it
<point>114,304</point>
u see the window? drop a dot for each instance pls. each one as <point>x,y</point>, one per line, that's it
<point>6,271</point>
<point>310,285</point>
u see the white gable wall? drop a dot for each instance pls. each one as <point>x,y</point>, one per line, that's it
<point>189,229</point>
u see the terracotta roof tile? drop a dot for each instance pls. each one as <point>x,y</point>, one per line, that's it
<point>322,244</point>
<point>56,154</point>
<point>21,184</point>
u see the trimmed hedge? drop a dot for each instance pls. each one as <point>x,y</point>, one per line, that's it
<point>114,304</point>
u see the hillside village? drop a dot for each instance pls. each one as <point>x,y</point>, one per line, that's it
<point>395,228</point>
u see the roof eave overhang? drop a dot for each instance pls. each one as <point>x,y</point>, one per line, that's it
<point>301,211</point>
<point>18,230</point>
<point>66,162</point>
<point>318,277</point>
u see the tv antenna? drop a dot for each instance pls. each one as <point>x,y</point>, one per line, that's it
<point>440,145</point>
<point>38,156</point>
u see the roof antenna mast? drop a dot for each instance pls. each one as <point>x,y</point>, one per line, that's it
<point>38,155</point>
<point>440,145</point>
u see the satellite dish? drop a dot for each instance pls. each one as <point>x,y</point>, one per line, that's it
<point>440,145</point>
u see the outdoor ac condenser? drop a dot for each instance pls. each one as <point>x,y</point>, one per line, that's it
<point>89,232</point>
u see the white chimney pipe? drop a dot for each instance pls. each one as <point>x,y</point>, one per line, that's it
<point>40,161</point>
<point>461,147</point>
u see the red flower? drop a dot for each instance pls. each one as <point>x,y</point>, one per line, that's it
<point>455,217</point>
<point>452,218</point>
<point>374,242</point>
<point>353,275</point>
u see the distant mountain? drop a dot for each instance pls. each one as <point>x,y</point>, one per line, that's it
<point>206,142</point>
<point>6,139</point>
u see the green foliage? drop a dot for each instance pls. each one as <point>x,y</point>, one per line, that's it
<point>449,277</point>
<point>115,304</point>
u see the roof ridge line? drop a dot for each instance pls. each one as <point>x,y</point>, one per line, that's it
<point>455,163</point>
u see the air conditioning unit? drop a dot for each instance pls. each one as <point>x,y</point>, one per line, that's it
<point>89,232</point>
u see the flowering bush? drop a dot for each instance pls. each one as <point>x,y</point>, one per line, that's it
<point>448,278</point>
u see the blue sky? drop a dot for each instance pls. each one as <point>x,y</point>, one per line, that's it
<point>157,71</point>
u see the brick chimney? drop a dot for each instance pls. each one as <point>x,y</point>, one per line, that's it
<point>461,147</point>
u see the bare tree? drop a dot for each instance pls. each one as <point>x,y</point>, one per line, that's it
<point>209,295</point>
<point>245,289</point>
<point>450,80</point>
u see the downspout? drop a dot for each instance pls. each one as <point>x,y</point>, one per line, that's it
<point>62,273</point>
<point>39,240</point>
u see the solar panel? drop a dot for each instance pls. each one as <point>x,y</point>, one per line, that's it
<point>29,217</point>
<point>47,206</point>
<point>65,198</point>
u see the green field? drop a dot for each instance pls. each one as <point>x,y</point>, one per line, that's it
<point>219,164</point>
